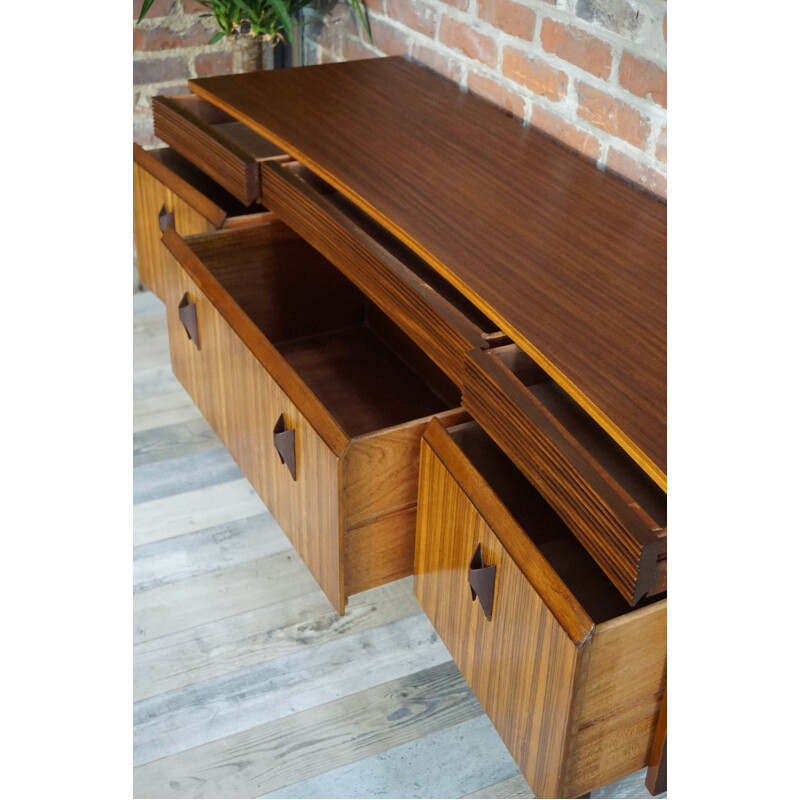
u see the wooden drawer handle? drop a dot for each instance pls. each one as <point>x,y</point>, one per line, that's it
<point>165,218</point>
<point>284,444</point>
<point>481,582</point>
<point>187,313</point>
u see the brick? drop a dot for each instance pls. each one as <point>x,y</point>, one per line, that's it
<point>560,129</point>
<point>161,8</point>
<point>143,135</point>
<point>578,47</point>
<point>461,5</point>
<point>444,65</point>
<point>459,36</point>
<point>190,7</point>
<point>414,14</point>
<point>498,95</point>
<point>329,39</point>
<point>213,63</point>
<point>661,145</point>
<point>387,39</point>
<point>619,16</point>
<point>533,74</point>
<point>636,172</point>
<point>612,116</point>
<point>512,18</point>
<point>163,38</point>
<point>158,70</point>
<point>643,78</point>
<point>355,50</point>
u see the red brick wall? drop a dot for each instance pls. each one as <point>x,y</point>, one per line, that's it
<point>590,72</point>
<point>169,47</point>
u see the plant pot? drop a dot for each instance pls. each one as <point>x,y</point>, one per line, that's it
<point>247,54</point>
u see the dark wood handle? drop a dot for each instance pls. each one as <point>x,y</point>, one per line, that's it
<point>165,218</point>
<point>481,582</point>
<point>284,444</point>
<point>187,313</point>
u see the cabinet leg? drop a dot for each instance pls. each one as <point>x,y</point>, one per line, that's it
<point>656,778</point>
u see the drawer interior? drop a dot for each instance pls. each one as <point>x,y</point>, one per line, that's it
<point>205,114</point>
<point>611,458</point>
<point>184,169</point>
<point>365,371</point>
<point>544,528</point>
<point>395,247</point>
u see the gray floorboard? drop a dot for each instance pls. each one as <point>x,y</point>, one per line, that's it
<point>246,682</point>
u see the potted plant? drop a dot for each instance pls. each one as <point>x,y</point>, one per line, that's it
<point>248,23</point>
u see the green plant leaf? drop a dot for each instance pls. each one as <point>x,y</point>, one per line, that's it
<point>279,7</point>
<point>363,14</point>
<point>145,8</point>
<point>216,37</point>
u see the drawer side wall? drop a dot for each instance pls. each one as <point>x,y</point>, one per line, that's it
<point>618,694</point>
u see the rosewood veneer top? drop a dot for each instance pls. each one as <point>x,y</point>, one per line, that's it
<point>567,260</point>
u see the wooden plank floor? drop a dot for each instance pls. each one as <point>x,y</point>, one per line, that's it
<point>246,682</point>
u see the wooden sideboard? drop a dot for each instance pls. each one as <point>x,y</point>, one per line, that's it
<point>434,341</point>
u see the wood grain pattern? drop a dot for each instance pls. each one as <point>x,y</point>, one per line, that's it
<point>242,402</point>
<point>617,699</point>
<point>574,700</point>
<point>219,145</point>
<point>356,726</point>
<point>357,409</point>
<point>164,179</point>
<point>567,260</point>
<point>247,330</point>
<point>185,180</point>
<point>381,472</point>
<point>397,280</point>
<point>150,195</point>
<point>656,778</point>
<point>614,510</point>
<point>521,665</point>
<point>380,550</point>
<point>381,476</point>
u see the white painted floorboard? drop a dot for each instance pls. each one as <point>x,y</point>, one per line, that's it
<point>246,682</point>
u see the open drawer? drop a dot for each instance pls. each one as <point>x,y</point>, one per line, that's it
<point>570,676</point>
<point>434,314</point>
<point>319,398</point>
<point>614,509</point>
<point>168,189</point>
<point>224,148</point>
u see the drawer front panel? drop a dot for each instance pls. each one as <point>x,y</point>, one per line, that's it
<point>438,327</point>
<point>626,541</point>
<point>243,403</point>
<point>150,196</point>
<point>164,183</point>
<point>521,663</point>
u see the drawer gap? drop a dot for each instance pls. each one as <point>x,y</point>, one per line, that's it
<point>576,568</point>
<point>255,145</point>
<point>612,460</point>
<point>394,246</point>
